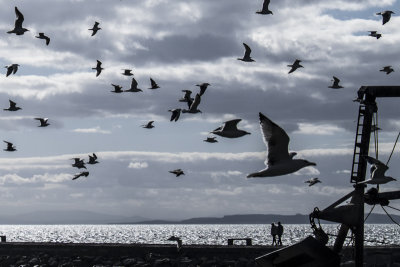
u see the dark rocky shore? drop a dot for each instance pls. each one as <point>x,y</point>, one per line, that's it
<point>62,254</point>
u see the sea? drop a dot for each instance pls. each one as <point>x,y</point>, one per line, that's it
<point>210,234</point>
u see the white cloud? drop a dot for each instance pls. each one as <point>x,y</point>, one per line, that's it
<point>96,129</point>
<point>319,129</point>
<point>138,165</point>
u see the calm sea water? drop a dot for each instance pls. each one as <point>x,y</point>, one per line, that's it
<point>375,234</point>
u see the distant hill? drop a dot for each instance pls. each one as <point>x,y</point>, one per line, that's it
<point>263,219</point>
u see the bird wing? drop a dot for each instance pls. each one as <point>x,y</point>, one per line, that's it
<point>336,80</point>
<point>98,64</point>
<point>195,102</point>
<point>134,84</point>
<point>94,156</point>
<point>12,104</point>
<point>276,140</point>
<point>9,70</point>
<point>247,50</point>
<point>265,5</point>
<point>230,125</point>
<point>153,83</point>
<point>380,169</point>
<point>20,18</point>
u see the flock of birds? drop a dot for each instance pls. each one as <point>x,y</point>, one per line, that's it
<point>279,160</point>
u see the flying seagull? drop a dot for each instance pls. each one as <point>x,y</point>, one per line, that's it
<point>86,174</point>
<point>211,140</point>
<point>127,72</point>
<point>387,69</point>
<point>11,69</point>
<point>203,87</point>
<point>92,159</point>
<point>43,122</point>
<point>295,65</point>
<point>175,114</point>
<point>385,15</point>
<point>117,88</point>
<point>42,36</point>
<point>154,85</point>
<point>98,68</point>
<point>193,105</point>
<point>13,106</point>
<point>78,163</point>
<point>312,181</point>
<point>335,84</point>
<point>265,10</point>
<point>149,125</point>
<point>229,129</point>
<point>246,56</point>
<point>279,160</point>
<point>18,29</point>
<point>10,147</point>
<point>378,172</point>
<point>375,34</point>
<point>186,97</point>
<point>134,88</point>
<point>95,28</point>
<point>177,172</point>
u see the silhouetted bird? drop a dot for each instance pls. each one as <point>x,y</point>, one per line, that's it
<point>193,105</point>
<point>134,88</point>
<point>313,181</point>
<point>43,122</point>
<point>246,56</point>
<point>203,87</point>
<point>42,36</point>
<point>13,68</point>
<point>149,125</point>
<point>78,163</point>
<point>375,34</point>
<point>187,97</point>
<point>154,85</point>
<point>265,10</point>
<point>92,159</point>
<point>18,29</point>
<point>127,72</point>
<point>177,172</point>
<point>95,28</point>
<point>295,65</point>
<point>117,88</point>
<point>375,128</point>
<point>10,147</point>
<point>98,68</point>
<point>211,140</point>
<point>335,84</point>
<point>385,15</point>
<point>378,172</point>
<point>13,106</point>
<point>279,160</point>
<point>86,174</point>
<point>387,69</point>
<point>229,129</point>
<point>175,114</point>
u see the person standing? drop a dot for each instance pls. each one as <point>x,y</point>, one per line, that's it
<point>280,233</point>
<point>274,232</point>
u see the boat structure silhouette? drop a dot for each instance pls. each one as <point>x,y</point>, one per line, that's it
<point>313,251</point>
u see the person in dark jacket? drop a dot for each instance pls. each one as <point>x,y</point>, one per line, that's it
<point>280,233</point>
<point>274,232</point>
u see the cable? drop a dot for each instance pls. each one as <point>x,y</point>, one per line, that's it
<point>393,148</point>
<point>393,208</point>
<point>390,216</point>
<point>369,212</point>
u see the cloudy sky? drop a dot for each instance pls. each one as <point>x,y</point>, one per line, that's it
<point>180,44</point>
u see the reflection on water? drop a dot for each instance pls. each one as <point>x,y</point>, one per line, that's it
<point>190,234</point>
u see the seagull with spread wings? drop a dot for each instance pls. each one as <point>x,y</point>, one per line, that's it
<point>44,37</point>
<point>13,106</point>
<point>378,172</point>
<point>313,181</point>
<point>279,160</point>
<point>95,28</point>
<point>98,68</point>
<point>10,147</point>
<point>385,15</point>
<point>335,84</point>
<point>193,105</point>
<point>177,172</point>
<point>43,122</point>
<point>76,176</point>
<point>154,85</point>
<point>229,129</point>
<point>18,29</point>
<point>92,159</point>
<point>387,69</point>
<point>134,87</point>
<point>176,113</point>
<point>295,65</point>
<point>247,51</point>
<point>148,125</point>
<point>13,68</point>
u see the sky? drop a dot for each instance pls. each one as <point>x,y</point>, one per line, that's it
<point>180,44</point>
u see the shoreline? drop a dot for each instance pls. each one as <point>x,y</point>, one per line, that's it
<point>117,254</point>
